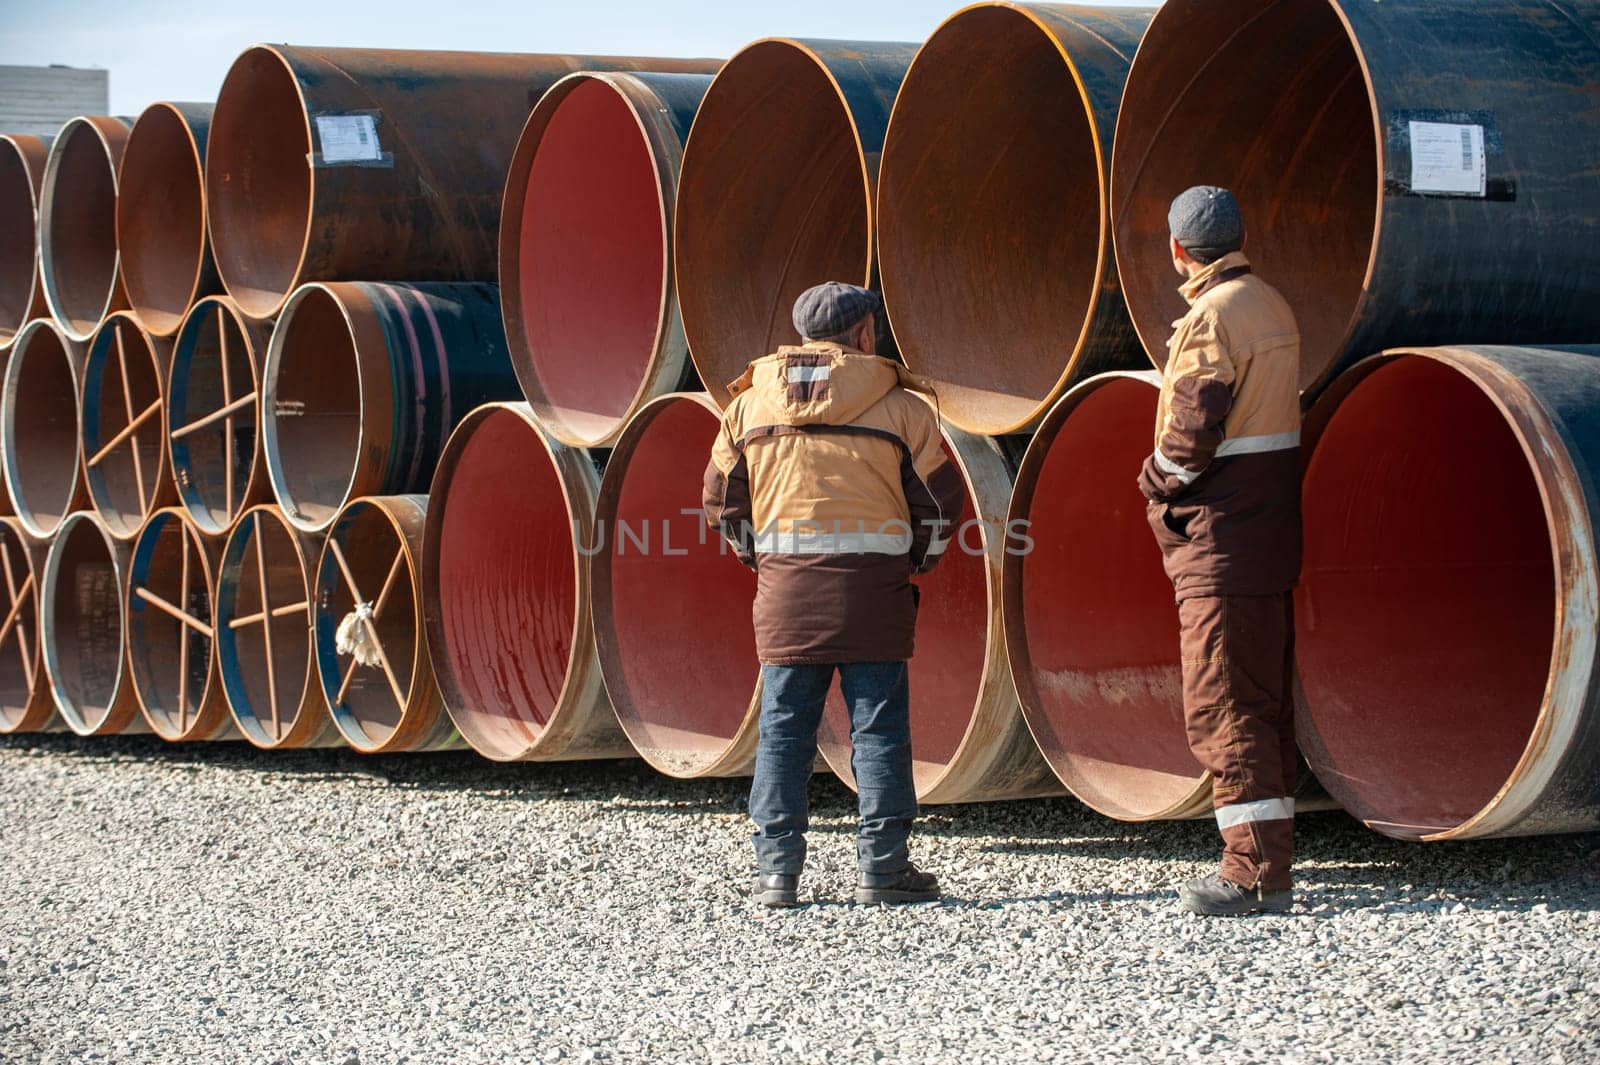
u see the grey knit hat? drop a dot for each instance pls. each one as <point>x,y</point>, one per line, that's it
<point>829,309</point>
<point>1206,220</point>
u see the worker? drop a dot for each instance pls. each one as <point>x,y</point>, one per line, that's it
<point>1223,486</point>
<point>828,478</point>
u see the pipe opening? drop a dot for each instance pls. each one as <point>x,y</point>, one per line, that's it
<point>80,228</point>
<point>85,638</point>
<point>507,586</point>
<point>591,269</point>
<point>250,676</point>
<point>126,478</point>
<point>315,420</point>
<point>371,544</point>
<point>170,660</point>
<point>161,219</point>
<point>1298,148</point>
<point>202,459</point>
<point>18,247</point>
<point>1425,628</point>
<point>258,181</point>
<point>773,199</point>
<point>41,429</point>
<point>19,653</point>
<point>682,690</point>
<point>990,196</point>
<point>1094,635</point>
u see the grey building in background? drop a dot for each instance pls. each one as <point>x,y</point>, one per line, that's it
<point>39,99</point>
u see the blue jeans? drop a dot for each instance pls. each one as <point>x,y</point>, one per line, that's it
<point>792,697</point>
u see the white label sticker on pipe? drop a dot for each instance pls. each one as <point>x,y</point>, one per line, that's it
<point>1448,157</point>
<point>349,138</point>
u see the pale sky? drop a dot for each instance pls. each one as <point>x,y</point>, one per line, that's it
<point>180,49</point>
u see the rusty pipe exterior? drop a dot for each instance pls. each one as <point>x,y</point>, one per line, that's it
<point>505,587</point>
<point>22,163</point>
<point>337,164</point>
<point>78,224</point>
<point>125,469</point>
<point>994,239</point>
<point>264,633</point>
<point>1365,206</point>
<point>161,215</point>
<point>39,438</point>
<point>367,583</point>
<point>25,702</point>
<point>776,192</point>
<point>84,629</point>
<point>363,384</point>
<point>586,279</point>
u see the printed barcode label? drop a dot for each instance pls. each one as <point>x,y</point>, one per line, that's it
<point>1448,157</point>
<point>349,138</point>
<point>1466,147</point>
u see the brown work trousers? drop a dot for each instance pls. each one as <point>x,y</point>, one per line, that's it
<point>1238,702</point>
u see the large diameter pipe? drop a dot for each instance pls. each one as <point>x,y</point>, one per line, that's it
<point>161,215</point>
<point>22,162</point>
<point>368,588</point>
<point>776,193</point>
<point>682,691</point>
<point>84,632</point>
<point>264,634</point>
<point>993,195</point>
<point>213,414</point>
<point>334,164</point>
<point>1447,640</point>
<point>124,432</point>
<point>505,580</point>
<point>25,702</point>
<point>363,384</point>
<point>39,440</point>
<point>172,636</point>
<point>586,285</point>
<point>969,740</point>
<point>1409,173</point>
<point>78,224</point>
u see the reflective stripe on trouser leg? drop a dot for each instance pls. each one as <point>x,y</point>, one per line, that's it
<point>1237,693</point>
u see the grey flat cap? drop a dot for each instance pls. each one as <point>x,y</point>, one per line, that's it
<point>1206,220</point>
<point>829,309</point>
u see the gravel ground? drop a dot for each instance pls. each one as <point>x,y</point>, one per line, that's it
<point>221,905</point>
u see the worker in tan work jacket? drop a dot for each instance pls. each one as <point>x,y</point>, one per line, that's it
<point>829,478</point>
<point>1223,485</point>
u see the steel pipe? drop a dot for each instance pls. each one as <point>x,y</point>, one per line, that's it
<point>683,692</point>
<point>363,384</point>
<point>213,413</point>
<point>994,239</point>
<point>586,287</point>
<point>506,588</point>
<point>39,440</point>
<point>22,162</point>
<point>333,164</point>
<point>264,634</point>
<point>1447,641</point>
<point>1345,217</point>
<point>78,224</point>
<point>25,702</point>
<point>84,632</point>
<point>776,192</point>
<point>172,636</point>
<point>124,440</point>
<point>161,215</point>
<point>367,584</point>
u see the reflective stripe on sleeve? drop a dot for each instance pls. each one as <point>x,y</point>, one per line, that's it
<point>1172,469</point>
<point>1245,813</point>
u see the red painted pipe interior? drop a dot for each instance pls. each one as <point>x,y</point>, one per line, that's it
<point>989,120</point>
<point>83,228</point>
<point>318,407</point>
<point>200,458</point>
<point>161,219</point>
<point>114,480</point>
<point>772,201</point>
<point>370,545</point>
<point>291,662</point>
<point>22,643</point>
<point>258,181</point>
<point>18,224</point>
<point>1102,684</point>
<point>86,641</point>
<point>1298,148</point>
<point>43,461</point>
<point>1427,601</point>
<point>155,638</point>
<point>593,259</point>
<point>508,585</point>
<point>678,619</point>
<point>947,669</point>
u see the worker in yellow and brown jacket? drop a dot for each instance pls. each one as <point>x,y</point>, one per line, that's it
<point>829,478</point>
<point>1223,485</point>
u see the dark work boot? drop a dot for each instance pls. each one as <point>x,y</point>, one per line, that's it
<point>777,890</point>
<point>908,885</point>
<point>1216,897</point>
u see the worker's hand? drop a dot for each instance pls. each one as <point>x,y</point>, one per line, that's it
<point>1157,485</point>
